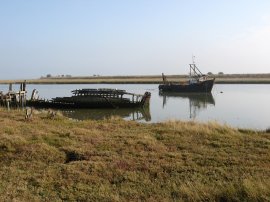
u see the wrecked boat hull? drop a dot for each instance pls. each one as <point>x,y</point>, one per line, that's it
<point>93,98</point>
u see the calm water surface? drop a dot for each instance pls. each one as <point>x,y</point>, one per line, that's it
<point>245,106</point>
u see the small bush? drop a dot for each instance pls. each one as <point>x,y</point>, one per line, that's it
<point>72,155</point>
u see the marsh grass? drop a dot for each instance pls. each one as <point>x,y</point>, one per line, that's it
<point>116,160</point>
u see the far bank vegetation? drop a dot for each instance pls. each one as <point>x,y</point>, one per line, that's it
<point>146,79</point>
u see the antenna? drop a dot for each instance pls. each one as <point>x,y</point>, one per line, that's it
<point>193,59</point>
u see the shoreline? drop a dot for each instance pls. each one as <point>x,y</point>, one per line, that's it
<point>227,79</point>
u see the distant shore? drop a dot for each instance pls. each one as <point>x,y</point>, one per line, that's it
<point>155,79</point>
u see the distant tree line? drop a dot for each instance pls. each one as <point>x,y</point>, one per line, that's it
<point>210,73</point>
<point>57,76</point>
<point>48,76</point>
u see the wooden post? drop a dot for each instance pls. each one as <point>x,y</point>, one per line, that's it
<point>24,85</point>
<point>25,99</point>
<point>8,105</point>
<point>28,113</point>
<point>10,87</point>
<point>20,99</point>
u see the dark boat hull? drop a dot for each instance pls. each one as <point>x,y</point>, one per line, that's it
<point>49,104</point>
<point>87,102</point>
<point>200,87</point>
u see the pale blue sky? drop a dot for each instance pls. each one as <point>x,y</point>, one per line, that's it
<point>132,37</point>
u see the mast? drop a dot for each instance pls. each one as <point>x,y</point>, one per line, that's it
<point>164,79</point>
<point>194,69</point>
<point>193,59</point>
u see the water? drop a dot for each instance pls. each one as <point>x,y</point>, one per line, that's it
<point>244,106</point>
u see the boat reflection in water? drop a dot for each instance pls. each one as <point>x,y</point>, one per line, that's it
<point>135,114</point>
<point>197,101</point>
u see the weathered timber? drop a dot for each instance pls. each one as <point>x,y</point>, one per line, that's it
<point>14,98</point>
<point>94,98</point>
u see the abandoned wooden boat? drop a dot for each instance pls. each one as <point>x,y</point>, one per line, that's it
<point>197,83</point>
<point>94,98</point>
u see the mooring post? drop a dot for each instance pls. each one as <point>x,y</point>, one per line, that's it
<point>24,103</point>
<point>10,87</point>
<point>8,105</point>
<point>20,98</point>
<point>24,85</point>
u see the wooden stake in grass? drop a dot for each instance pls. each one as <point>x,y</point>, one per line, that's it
<point>28,113</point>
<point>52,114</point>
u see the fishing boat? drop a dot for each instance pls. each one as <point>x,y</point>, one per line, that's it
<point>197,83</point>
<point>93,98</point>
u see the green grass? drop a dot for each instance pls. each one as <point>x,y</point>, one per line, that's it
<point>117,160</point>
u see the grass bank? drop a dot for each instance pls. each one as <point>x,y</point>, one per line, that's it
<point>156,79</point>
<point>117,160</point>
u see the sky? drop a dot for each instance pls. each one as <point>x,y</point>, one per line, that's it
<point>132,37</point>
